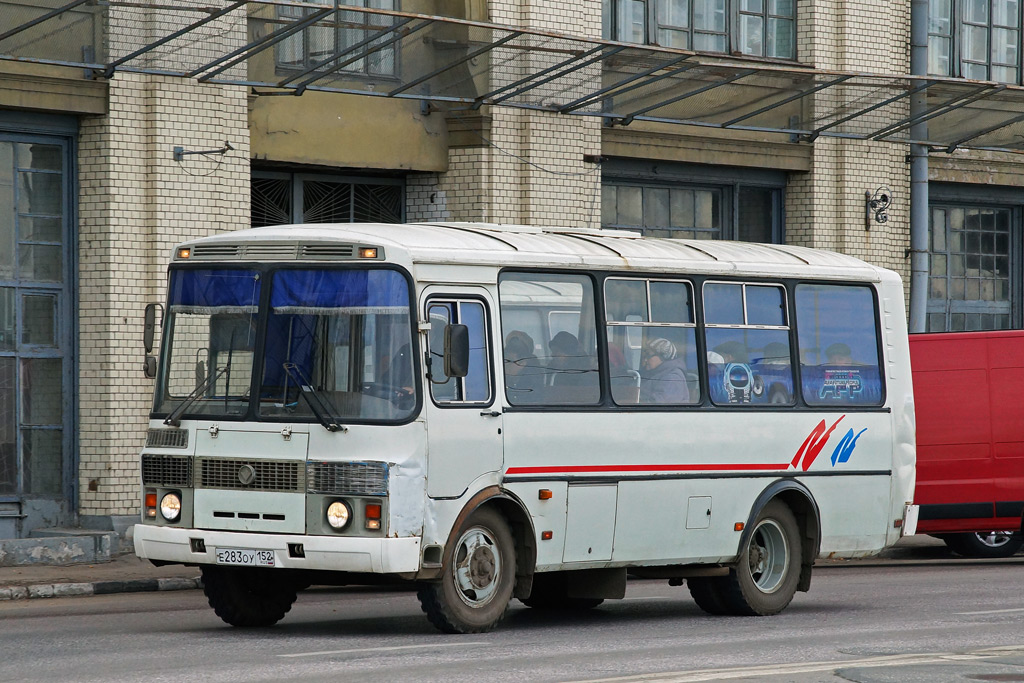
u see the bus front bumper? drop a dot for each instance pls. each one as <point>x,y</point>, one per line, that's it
<point>199,546</point>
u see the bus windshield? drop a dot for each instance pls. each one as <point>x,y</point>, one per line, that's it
<point>211,328</point>
<point>337,345</point>
<point>340,337</point>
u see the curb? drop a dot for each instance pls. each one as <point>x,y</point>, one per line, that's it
<point>60,590</point>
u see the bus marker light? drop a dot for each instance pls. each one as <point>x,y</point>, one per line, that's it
<point>545,494</point>
<point>184,252</point>
<point>368,252</point>
<point>738,526</point>
<point>546,535</point>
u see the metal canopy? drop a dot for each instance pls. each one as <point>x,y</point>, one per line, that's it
<point>288,48</point>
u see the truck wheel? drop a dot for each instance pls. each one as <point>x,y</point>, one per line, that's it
<point>477,577</point>
<point>982,544</point>
<point>709,594</point>
<point>248,597</point>
<point>550,592</point>
<point>764,579</point>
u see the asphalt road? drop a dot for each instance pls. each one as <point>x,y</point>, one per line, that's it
<point>906,621</point>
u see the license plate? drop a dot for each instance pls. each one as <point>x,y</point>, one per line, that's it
<point>245,557</point>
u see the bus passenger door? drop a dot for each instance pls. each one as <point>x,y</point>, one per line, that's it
<point>463,424</point>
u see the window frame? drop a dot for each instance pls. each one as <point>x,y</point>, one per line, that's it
<point>653,27</point>
<point>307,64</point>
<point>958,25</point>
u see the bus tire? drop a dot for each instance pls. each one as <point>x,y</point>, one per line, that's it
<point>248,597</point>
<point>765,578</point>
<point>478,577</point>
<point>709,594</point>
<point>991,544</point>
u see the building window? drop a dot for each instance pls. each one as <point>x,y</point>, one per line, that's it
<point>977,39</point>
<point>725,212</point>
<point>760,28</point>
<point>970,287</point>
<point>313,47</point>
<point>279,198</point>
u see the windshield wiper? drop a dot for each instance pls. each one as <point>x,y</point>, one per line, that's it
<point>173,418</point>
<point>316,401</point>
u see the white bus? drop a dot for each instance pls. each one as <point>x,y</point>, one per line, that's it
<point>493,412</point>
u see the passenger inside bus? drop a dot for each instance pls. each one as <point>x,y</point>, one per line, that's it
<point>524,378</point>
<point>839,354</point>
<point>663,378</point>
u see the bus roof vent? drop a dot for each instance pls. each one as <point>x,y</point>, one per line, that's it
<point>215,251</point>
<point>326,251</point>
<point>269,250</point>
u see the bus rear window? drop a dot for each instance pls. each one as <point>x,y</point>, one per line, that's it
<point>838,338</point>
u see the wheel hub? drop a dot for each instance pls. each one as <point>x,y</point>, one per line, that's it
<point>481,567</point>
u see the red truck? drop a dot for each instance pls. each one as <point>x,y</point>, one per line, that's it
<point>969,402</point>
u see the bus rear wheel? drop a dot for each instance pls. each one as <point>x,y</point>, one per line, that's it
<point>478,577</point>
<point>248,597</point>
<point>765,578</point>
<point>992,544</point>
<point>709,594</point>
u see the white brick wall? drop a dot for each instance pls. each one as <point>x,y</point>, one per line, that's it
<point>135,203</point>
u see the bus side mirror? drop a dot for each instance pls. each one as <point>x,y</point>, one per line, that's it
<point>149,326</point>
<point>456,350</point>
<point>148,332</point>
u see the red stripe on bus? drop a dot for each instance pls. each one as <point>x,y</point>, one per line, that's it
<point>647,468</point>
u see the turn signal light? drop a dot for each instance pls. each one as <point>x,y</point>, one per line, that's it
<point>150,503</point>
<point>544,494</point>
<point>373,516</point>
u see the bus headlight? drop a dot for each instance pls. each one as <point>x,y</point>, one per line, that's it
<point>170,507</point>
<point>338,514</point>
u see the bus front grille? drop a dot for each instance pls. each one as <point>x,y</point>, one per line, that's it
<point>166,470</point>
<point>347,478</point>
<point>250,475</point>
<point>167,438</point>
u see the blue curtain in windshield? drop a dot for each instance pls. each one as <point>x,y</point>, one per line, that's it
<point>214,291</point>
<point>360,292</point>
<point>299,296</point>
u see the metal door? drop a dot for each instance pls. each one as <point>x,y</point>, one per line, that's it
<point>35,332</point>
<point>463,425</point>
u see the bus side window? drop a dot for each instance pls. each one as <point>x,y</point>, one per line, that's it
<point>747,334</point>
<point>838,334</point>
<point>652,350</point>
<point>475,387</point>
<point>562,370</point>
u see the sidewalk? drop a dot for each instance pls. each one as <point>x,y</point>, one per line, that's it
<point>124,574</point>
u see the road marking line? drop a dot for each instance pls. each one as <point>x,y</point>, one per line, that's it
<point>393,648</point>
<point>991,611</point>
<point>807,667</point>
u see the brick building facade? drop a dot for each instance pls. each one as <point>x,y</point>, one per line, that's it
<point>122,197</point>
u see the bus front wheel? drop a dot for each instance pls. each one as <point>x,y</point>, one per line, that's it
<point>477,578</point>
<point>248,597</point>
<point>766,576</point>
